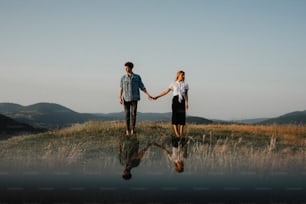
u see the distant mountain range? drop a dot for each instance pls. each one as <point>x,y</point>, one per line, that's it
<point>44,115</point>
<point>51,115</point>
<point>297,117</point>
<point>251,121</point>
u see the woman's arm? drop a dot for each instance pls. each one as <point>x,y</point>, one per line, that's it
<point>162,94</point>
<point>162,148</point>
<point>186,100</point>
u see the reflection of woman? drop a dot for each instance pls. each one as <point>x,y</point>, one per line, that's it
<point>178,153</point>
<point>179,102</point>
<point>129,154</point>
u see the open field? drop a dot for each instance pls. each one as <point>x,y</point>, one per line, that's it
<point>93,146</point>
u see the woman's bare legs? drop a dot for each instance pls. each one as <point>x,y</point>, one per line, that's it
<point>178,130</point>
<point>175,129</point>
<point>181,130</point>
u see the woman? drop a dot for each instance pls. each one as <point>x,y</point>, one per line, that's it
<point>179,102</point>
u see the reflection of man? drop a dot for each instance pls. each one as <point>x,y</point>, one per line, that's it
<point>129,154</point>
<point>178,153</point>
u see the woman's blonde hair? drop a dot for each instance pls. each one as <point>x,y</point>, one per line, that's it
<point>179,166</point>
<point>179,73</point>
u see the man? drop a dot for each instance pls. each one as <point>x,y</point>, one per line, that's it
<point>129,95</point>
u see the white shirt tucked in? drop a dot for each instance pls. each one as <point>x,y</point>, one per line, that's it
<point>179,88</point>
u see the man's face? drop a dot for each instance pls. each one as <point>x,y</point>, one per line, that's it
<point>128,70</point>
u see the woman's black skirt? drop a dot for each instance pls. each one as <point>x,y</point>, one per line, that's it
<point>178,111</point>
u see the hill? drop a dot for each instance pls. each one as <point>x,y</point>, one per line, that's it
<point>140,116</point>
<point>297,117</point>
<point>198,120</point>
<point>9,107</point>
<point>51,115</point>
<point>250,121</point>
<point>9,126</point>
<point>95,144</point>
<point>155,117</point>
<point>44,115</point>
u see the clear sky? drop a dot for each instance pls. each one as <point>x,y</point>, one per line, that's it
<point>242,58</point>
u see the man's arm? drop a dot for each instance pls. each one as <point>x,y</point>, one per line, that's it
<point>143,151</point>
<point>143,88</point>
<point>120,95</point>
<point>146,92</point>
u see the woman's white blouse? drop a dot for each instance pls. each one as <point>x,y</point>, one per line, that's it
<point>179,88</point>
<point>177,154</point>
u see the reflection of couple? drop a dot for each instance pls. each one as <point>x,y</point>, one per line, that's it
<point>129,96</point>
<point>130,156</point>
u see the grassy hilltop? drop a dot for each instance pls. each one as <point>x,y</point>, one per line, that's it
<point>93,146</point>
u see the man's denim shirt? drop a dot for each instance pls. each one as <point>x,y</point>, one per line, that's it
<point>130,84</point>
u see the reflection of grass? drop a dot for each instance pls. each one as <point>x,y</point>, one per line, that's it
<point>212,147</point>
<point>232,148</point>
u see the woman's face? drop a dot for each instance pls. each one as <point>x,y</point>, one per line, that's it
<point>179,166</point>
<point>181,77</point>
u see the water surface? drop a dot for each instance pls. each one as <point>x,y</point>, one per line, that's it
<point>154,178</point>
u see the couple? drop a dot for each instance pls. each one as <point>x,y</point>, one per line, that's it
<point>129,96</point>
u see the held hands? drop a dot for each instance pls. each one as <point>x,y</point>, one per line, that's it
<point>149,97</point>
<point>152,97</point>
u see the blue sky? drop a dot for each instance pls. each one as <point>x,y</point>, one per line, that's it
<point>243,59</point>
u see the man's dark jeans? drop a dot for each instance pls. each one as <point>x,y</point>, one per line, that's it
<point>130,107</point>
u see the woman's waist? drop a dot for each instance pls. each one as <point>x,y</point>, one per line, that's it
<point>177,96</point>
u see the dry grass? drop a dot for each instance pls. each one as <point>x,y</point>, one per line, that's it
<point>258,148</point>
<point>94,145</point>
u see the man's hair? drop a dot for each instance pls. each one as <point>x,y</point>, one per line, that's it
<point>129,64</point>
<point>127,176</point>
